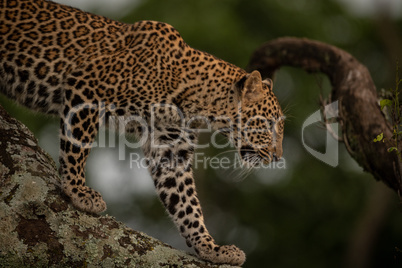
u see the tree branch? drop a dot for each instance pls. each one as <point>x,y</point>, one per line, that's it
<point>39,227</point>
<point>352,85</point>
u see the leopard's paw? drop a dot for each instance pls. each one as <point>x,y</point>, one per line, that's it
<point>223,255</point>
<point>87,199</point>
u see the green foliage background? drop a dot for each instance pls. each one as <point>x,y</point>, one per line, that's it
<point>306,215</point>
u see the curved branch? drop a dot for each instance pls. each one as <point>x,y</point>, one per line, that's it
<point>352,85</point>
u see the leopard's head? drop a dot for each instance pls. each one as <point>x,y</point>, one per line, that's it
<point>259,136</point>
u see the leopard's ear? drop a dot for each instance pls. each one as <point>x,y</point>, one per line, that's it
<point>269,83</point>
<point>250,87</point>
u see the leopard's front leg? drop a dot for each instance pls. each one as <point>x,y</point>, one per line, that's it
<point>79,126</point>
<point>170,164</point>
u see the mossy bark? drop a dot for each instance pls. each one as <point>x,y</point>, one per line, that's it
<point>39,227</point>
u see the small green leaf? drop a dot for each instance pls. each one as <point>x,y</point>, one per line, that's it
<point>379,137</point>
<point>385,102</point>
<point>392,149</point>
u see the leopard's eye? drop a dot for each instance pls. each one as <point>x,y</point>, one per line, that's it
<point>270,123</point>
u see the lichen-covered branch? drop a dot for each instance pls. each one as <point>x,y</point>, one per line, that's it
<point>360,114</point>
<point>39,228</point>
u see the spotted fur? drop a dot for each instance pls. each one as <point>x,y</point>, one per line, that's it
<point>85,68</point>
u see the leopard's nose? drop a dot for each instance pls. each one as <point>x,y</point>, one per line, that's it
<point>278,151</point>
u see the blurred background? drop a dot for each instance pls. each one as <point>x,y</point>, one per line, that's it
<point>303,213</point>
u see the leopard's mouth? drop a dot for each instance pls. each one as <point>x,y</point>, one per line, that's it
<point>256,157</point>
<point>252,157</point>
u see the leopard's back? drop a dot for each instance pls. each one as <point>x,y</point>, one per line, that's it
<point>41,42</point>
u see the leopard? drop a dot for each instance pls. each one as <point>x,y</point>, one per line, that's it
<point>86,69</point>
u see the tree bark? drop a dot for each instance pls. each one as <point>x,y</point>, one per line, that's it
<point>359,113</point>
<point>39,227</point>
